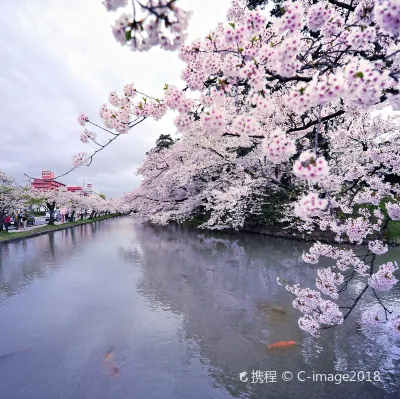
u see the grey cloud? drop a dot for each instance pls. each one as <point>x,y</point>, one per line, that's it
<point>57,63</point>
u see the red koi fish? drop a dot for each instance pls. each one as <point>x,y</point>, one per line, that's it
<point>281,344</point>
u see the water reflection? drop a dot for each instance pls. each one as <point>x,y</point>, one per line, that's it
<point>217,282</point>
<point>22,262</point>
<point>184,311</point>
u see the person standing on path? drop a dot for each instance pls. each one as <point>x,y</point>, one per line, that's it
<point>6,222</point>
<point>17,221</point>
<point>25,220</point>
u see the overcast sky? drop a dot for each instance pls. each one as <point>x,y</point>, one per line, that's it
<point>59,58</point>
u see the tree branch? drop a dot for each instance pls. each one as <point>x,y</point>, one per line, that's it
<point>312,123</point>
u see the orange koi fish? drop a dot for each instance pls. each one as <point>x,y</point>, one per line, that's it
<point>281,344</point>
<point>109,354</point>
<point>112,368</point>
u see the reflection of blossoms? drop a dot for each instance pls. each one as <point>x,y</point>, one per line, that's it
<point>394,324</point>
<point>371,317</point>
<point>383,279</point>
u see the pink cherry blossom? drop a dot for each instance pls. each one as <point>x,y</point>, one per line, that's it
<point>383,279</point>
<point>278,147</point>
<point>82,119</point>
<point>377,247</point>
<point>309,167</point>
<point>309,206</point>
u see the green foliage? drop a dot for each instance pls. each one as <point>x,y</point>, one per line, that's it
<point>393,232</point>
<point>164,141</point>
<point>200,217</point>
<point>103,196</point>
<point>271,210</point>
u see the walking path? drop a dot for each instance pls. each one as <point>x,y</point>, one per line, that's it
<point>28,228</point>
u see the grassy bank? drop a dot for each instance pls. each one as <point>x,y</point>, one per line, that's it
<point>7,237</point>
<point>392,234</point>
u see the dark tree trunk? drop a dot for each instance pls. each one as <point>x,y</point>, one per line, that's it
<point>1,219</point>
<point>51,206</point>
<point>91,215</point>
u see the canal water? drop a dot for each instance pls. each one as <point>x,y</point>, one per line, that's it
<point>121,310</point>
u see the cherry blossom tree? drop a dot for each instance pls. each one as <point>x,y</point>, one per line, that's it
<point>13,196</point>
<point>53,198</point>
<point>151,23</point>
<point>285,101</point>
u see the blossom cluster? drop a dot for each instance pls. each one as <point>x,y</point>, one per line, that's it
<point>87,135</point>
<point>161,23</point>
<point>82,119</point>
<point>317,15</point>
<point>393,211</point>
<point>292,19</point>
<point>317,310</point>
<point>278,147</point>
<point>383,279</point>
<point>309,167</point>
<point>357,229</point>
<point>310,205</point>
<point>327,282</point>
<point>345,258</point>
<point>377,247</point>
<point>387,15</point>
<point>80,159</point>
<point>214,121</point>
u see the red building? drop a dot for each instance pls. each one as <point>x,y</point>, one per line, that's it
<point>47,181</point>
<point>75,189</point>
<point>78,190</point>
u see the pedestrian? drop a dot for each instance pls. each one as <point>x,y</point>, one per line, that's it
<point>25,220</point>
<point>7,221</point>
<point>16,223</point>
